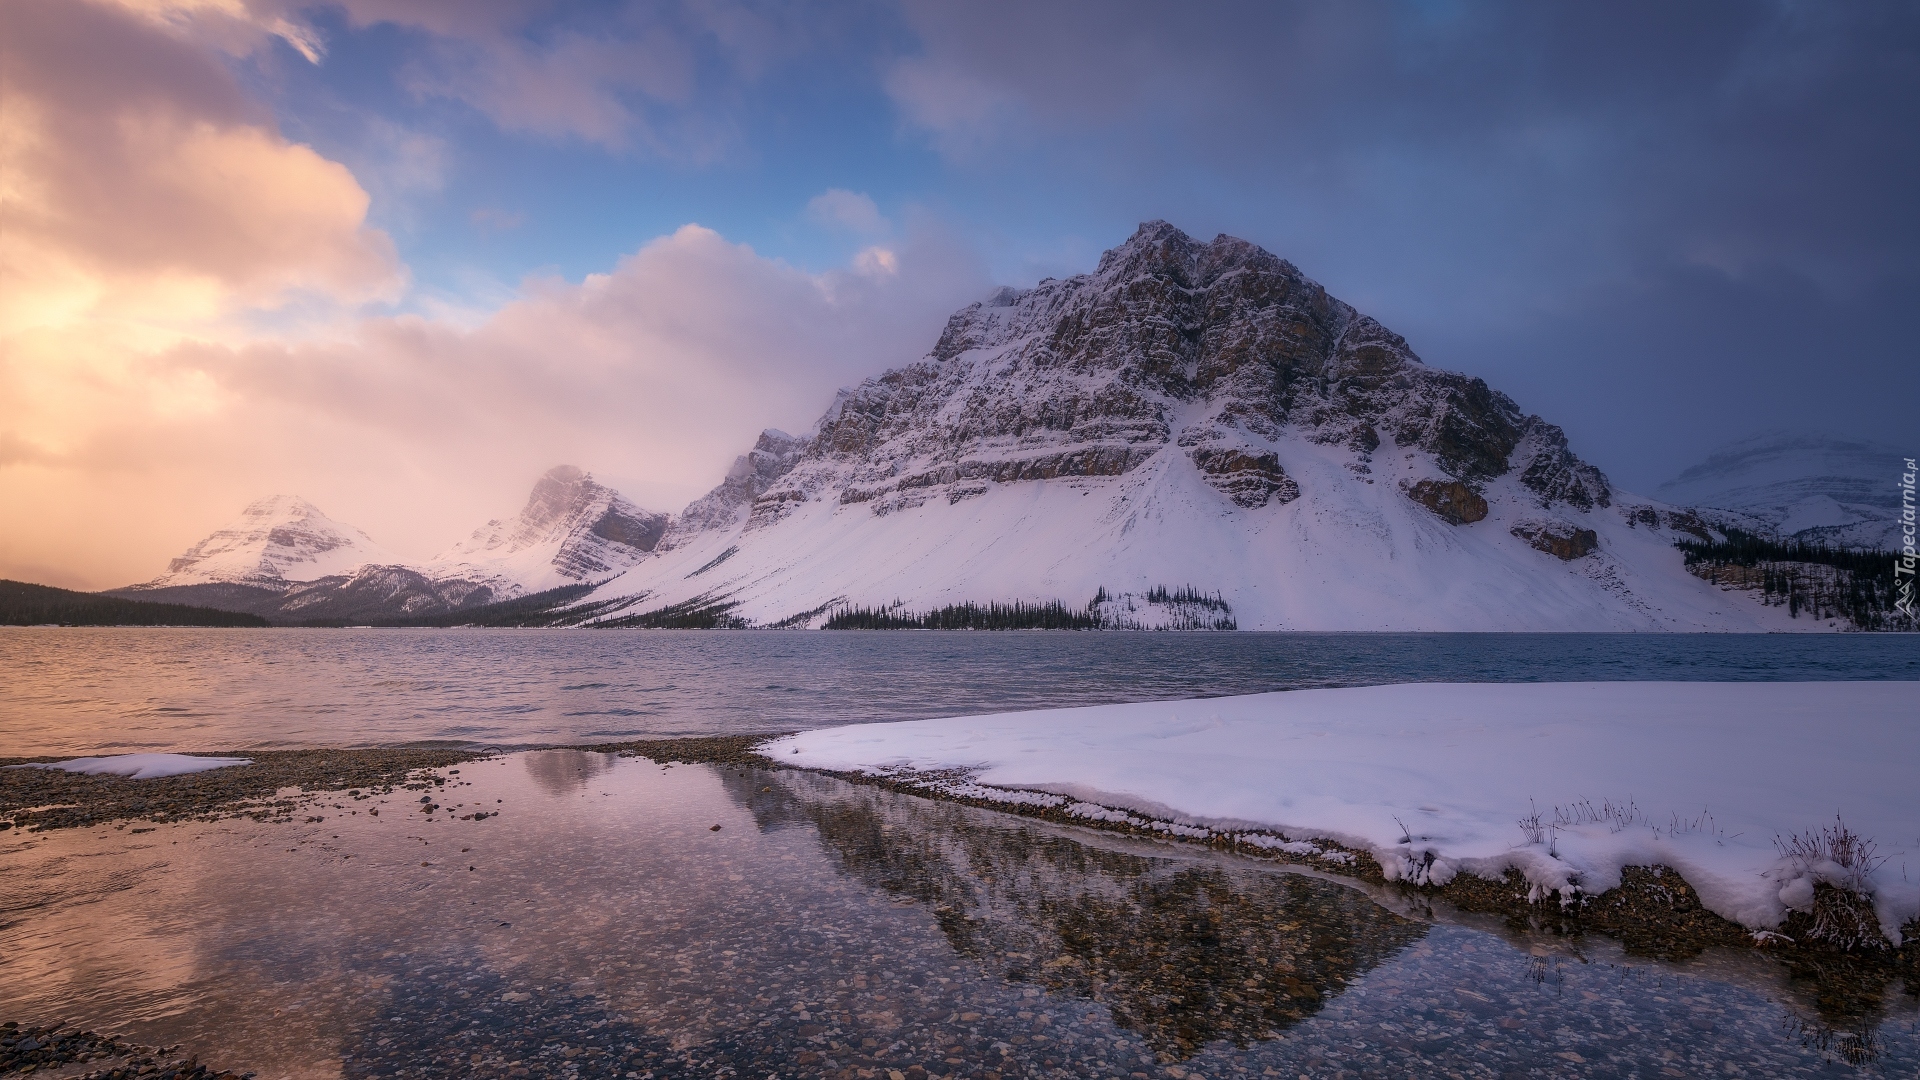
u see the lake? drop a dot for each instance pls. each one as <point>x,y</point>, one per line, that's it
<point>625,919</point>
<point>74,690</point>
<point>619,918</point>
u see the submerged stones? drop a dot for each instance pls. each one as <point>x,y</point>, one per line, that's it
<point>40,799</point>
<point>852,931</point>
<point>52,1047</point>
<point>1455,502</point>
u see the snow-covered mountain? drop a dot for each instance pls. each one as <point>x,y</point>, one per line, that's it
<point>275,543</point>
<point>1193,434</point>
<point>572,530</point>
<point>1801,486</point>
<point>286,559</point>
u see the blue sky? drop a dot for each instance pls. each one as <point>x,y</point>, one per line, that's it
<point>742,153</point>
<point>1661,226</point>
<point>1595,210</point>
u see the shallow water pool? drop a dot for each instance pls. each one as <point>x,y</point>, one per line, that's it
<point>601,925</point>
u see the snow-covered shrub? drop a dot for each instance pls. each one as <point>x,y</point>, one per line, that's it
<point>1828,875</point>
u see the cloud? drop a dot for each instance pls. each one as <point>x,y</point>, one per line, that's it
<point>1491,179</point>
<point>184,292</point>
<point>625,76</point>
<point>653,375</point>
<point>574,85</point>
<point>237,27</point>
<point>145,201</point>
<point>142,187</point>
<point>854,211</point>
<point>1735,136</point>
<point>877,262</point>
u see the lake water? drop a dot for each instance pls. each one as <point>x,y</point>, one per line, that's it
<point>602,926</point>
<point>75,690</point>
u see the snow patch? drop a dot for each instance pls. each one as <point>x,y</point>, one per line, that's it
<point>139,766</point>
<point>1434,780</point>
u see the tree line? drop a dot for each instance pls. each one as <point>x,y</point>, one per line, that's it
<point>1858,585</point>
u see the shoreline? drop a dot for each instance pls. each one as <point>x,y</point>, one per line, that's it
<point>1654,912</point>
<point>38,800</point>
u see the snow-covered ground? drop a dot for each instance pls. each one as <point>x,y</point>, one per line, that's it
<point>1346,555</point>
<point>139,766</point>
<point>1436,779</point>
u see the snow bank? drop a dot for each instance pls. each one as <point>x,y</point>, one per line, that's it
<point>140,766</point>
<point>1435,779</point>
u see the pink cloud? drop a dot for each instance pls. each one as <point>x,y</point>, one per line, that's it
<point>141,180</point>
<point>654,375</point>
<point>182,320</point>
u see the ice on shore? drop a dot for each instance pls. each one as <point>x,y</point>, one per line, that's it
<point>140,766</point>
<point>1436,779</point>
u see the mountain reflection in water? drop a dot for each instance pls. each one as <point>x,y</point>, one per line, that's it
<point>560,772</point>
<point>1182,954</point>
<point>619,918</point>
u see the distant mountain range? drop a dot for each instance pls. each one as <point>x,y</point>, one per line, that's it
<point>286,560</point>
<point>1800,486</point>
<point>1195,435</point>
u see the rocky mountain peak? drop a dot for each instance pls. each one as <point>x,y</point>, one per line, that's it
<point>1218,348</point>
<point>572,526</point>
<point>564,493</point>
<point>1160,251</point>
<point>281,508</point>
<point>275,541</point>
<point>774,454</point>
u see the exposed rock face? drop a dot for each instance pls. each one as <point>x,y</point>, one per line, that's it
<point>773,455</point>
<point>1552,472</point>
<point>1219,347</point>
<point>1558,539</point>
<point>572,529</point>
<point>1250,480</point>
<point>1454,501</point>
<point>1680,521</point>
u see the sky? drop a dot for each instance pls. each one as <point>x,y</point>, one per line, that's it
<point>400,257</point>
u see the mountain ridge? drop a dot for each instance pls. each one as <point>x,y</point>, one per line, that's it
<point>285,560</point>
<point>1198,414</point>
<point>1805,486</point>
<point>1193,435</point>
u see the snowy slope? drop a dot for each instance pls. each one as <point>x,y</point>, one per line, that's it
<point>286,560</point>
<point>1188,415</point>
<point>1803,486</point>
<point>572,529</point>
<point>1457,765</point>
<point>275,543</point>
<point>1346,556</point>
